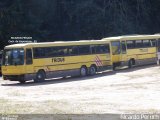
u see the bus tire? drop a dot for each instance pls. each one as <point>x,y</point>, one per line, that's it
<point>40,76</point>
<point>130,63</point>
<point>114,66</point>
<point>83,71</point>
<point>22,81</point>
<point>92,70</point>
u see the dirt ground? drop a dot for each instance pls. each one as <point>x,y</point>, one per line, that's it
<point>135,90</point>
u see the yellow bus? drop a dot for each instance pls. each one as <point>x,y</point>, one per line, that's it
<point>134,50</point>
<point>38,61</point>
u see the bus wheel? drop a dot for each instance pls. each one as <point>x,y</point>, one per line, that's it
<point>92,70</point>
<point>22,81</point>
<point>114,66</point>
<point>83,71</point>
<point>130,63</point>
<point>40,76</point>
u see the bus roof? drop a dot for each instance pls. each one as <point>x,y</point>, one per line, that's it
<point>83,42</point>
<point>57,43</point>
<point>132,37</point>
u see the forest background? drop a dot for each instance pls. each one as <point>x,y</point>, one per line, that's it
<point>64,20</point>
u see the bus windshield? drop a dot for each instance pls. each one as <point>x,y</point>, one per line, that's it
<point>13,57</point>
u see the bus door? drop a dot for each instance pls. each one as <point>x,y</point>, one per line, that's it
<point>29,61</point>
<point>123,51</point>
<point>116,51</point>
<point>158,51</point>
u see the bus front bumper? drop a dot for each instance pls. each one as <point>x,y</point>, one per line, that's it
<point>25,77</point>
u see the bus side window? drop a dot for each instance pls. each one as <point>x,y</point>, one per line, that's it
<point>158,45</point>
<point>146,43</point>
<point>39,52</point>
<point>139,44</point>
<point>153,43</point>
<point>130,44</point>
<point>61,51</point>
<point>101,49</point>
<point>84,49</point>
<point>48,52</point>
<point>29,56</point>
<point>116,47</point>
<point>73,50</point>
<point>105,48</point>
<point>123,47</point>
<point>93,49</point>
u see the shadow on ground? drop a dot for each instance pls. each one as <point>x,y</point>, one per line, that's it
<point>70,79</point>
